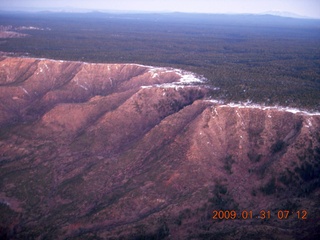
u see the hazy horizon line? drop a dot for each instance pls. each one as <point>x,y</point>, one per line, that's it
<point>84,10</point>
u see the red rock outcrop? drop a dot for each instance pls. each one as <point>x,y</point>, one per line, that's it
<point>128,151</point>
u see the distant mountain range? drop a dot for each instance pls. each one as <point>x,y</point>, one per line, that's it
<point>82,10</point>
<point>284,14</point>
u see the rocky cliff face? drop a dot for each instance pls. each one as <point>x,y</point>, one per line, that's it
<point>112,151</point>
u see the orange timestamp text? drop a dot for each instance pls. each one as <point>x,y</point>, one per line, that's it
<point>263,214</point>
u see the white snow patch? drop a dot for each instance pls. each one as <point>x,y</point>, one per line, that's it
<point>154,75</point>
<point>46,66</point>
<point>261,107</point>
<point>238,114</point>
<point>139,65</point>
<point>215,111</point>
<point>215,101</point>
<point>154,71</point>
<point>188,77</point>
<point>174,85</point>
<point>85,88</point>
<point>23,89</point>
<point>309,122</point>
<point>80,85</point>
<point>147,86</point>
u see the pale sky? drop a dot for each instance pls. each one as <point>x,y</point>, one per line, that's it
<point>308,8</point>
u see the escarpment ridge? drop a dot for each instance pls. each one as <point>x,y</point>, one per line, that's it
<point>129,151</point>
<point>30,87</point>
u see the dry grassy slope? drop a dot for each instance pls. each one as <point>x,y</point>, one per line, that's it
<point>86,152</point>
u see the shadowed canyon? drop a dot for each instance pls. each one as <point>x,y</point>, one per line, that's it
<point>126,151</point>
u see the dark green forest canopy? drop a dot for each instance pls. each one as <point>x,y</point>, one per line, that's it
<point>264,59</point>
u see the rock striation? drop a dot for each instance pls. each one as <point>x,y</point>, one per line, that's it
<point>125,151</point>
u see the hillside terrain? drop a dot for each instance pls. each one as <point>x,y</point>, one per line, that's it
<point>127,151</point>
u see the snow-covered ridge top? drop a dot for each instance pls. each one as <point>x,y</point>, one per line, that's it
<point>261,107</point>
<point>186,78</point>
<point>189,77</point>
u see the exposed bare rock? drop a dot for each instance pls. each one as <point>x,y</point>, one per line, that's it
<point>125,151</point>
<point>11,34</point>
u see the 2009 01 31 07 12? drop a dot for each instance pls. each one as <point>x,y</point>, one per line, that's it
<point>263,214</point>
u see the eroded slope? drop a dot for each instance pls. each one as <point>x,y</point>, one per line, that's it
<point>111,151</point>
